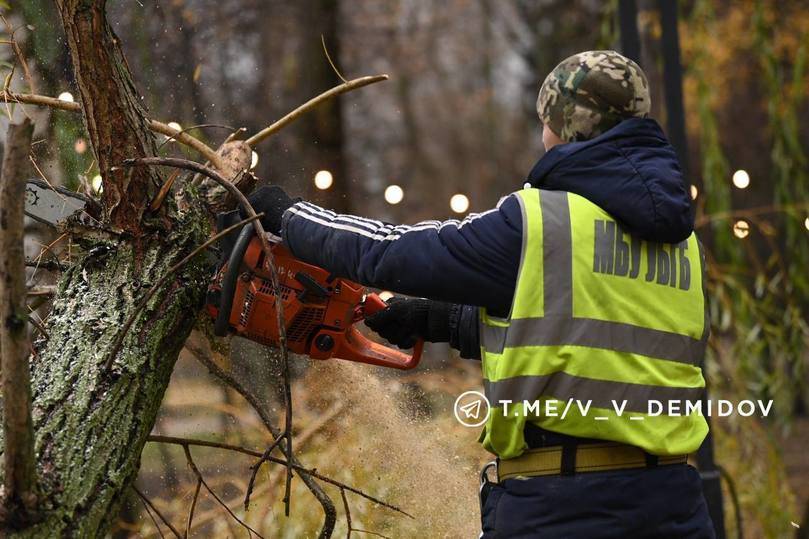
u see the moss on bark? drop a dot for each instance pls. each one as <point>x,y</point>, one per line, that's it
<point>90,425</point>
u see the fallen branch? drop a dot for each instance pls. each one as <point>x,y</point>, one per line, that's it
<point>119,338</point>
<point>323,498</point>
<point>312,103</point>
<point>299,468</point>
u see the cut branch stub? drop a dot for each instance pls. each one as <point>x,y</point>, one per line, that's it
<point>115,120</point>
<point>235,157</point>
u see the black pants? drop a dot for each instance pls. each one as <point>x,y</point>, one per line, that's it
<point>660,503</point>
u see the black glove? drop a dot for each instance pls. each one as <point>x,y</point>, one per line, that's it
<point>404,321</point>
<point>273,202</point>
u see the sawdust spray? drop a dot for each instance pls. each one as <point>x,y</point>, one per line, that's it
<point>432,464</point>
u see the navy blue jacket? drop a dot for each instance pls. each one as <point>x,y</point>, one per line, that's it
<point>631,171</point>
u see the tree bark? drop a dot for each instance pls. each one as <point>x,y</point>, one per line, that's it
<point>19,496</point>
<point>91,425</point>
<point>115,120</point>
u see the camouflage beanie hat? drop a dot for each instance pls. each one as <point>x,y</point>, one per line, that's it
<point>591,92</point>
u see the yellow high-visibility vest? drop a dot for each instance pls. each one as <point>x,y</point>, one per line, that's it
<point>599,317</point>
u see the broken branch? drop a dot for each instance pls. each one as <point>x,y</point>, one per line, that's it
<point>299,468</point>
<point>312,103</point>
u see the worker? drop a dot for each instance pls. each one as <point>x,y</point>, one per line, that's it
<point>584,290</point>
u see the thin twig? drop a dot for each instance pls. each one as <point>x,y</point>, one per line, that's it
<point>255,468</point>
<point>312,103</point>
<point>358,530</point>
<point>192,142</point>
<point>197,126</point>
<point>154,520</point>
<point>18,53</point>
<point>196,471</point>
<point>310,430</point>
<point>148,503</point>
<point>39,327</point>
<point>119,338</point>
<point>154,438</point>
<point>191,511</point>
<point>348,512</point>
<point>328,57</point>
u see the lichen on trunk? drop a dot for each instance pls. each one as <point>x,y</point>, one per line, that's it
<point>91,425</point>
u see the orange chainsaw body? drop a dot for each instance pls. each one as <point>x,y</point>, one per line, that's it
<point>319,310</point>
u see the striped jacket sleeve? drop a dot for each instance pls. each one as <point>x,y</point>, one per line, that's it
<point>471,262</point>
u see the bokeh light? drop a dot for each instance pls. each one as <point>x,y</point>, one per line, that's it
<point>741,179</point>
<point>175,126</point>
<point>741,228</point>
<point>323,179</point>
<point>459,203</point>
<point>253,160</point>
<point>694,192</point>
<point>66,96</point>
<point>80,146</point>
<point>394,194</point>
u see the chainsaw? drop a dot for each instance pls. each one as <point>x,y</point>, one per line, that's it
<point>320,310</point>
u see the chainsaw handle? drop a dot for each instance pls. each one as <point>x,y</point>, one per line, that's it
<point>222,322</point>
<point>380,354</point>
<point>354,346</point>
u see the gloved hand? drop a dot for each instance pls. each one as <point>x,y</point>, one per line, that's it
<point>406,320</point>
<point>273,202</point>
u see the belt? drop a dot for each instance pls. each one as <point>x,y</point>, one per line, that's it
<point>567,460</point>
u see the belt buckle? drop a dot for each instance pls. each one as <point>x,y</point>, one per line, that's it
<point>484,473</point>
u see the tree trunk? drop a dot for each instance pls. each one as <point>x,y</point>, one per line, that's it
<point>91,424</point>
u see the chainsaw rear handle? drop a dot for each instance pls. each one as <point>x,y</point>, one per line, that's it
<point>222,322</point>
<point>378,353</point>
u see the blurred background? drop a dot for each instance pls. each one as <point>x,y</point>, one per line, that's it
<point>453,130</point>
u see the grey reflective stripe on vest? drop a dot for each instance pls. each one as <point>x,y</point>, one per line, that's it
<point>600,393</point>
<point>557,253</point>
<point>557,331</point>
<point>559,327</point>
